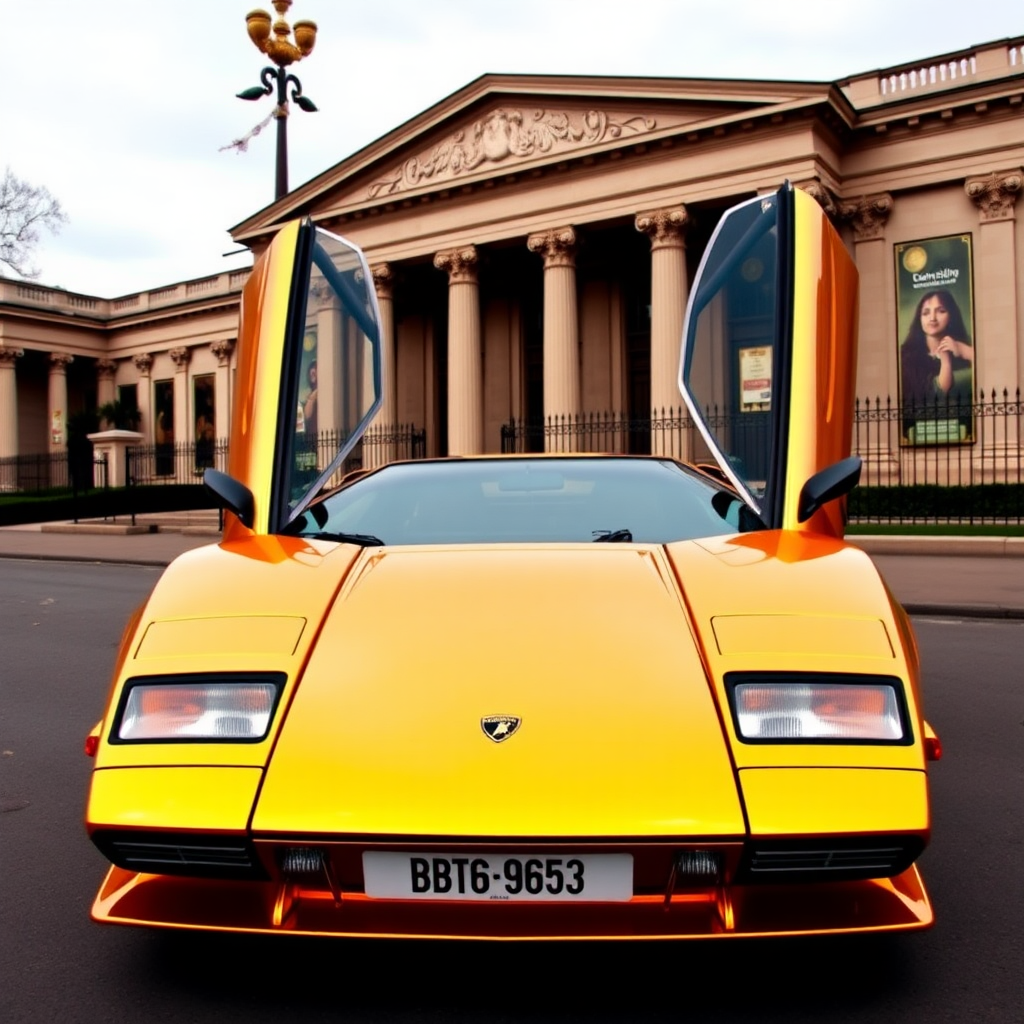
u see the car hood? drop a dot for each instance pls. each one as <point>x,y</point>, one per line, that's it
<point>590,649</point>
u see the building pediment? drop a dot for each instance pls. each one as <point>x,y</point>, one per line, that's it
<point>503,125</point>
<point>507,135</point>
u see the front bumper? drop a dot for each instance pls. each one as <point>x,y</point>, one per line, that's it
<point>888,904</point>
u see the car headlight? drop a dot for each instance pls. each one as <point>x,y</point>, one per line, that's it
<point>227,707</point>
<point>810,707</point>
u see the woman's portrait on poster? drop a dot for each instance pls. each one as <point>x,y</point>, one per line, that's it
<point>936,360</point>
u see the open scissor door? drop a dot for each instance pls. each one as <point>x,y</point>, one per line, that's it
<point>769,359</point>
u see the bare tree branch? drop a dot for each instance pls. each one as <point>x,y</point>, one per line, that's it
<point>24,210</point>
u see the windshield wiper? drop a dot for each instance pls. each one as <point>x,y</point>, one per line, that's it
<point>366,540</point>
<point>612,536</point>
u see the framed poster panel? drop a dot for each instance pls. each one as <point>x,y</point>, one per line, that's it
<point>204,409</point>
<point>163,426</point>
<point>935,328</point>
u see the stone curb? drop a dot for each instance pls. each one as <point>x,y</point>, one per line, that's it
<point>976,611</point>
<point>100,529</point>
<point>976,547</point>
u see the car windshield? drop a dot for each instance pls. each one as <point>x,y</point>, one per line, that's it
<point>546,500</point>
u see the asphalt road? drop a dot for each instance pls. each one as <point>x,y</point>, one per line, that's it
<point>59,627</point>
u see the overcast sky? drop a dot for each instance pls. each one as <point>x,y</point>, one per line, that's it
<point>120,107</point>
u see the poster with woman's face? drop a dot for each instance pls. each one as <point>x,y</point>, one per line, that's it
<point>163,411</point>
<point>163,426</point>
<point>203,392</point>
<point>935,328</point>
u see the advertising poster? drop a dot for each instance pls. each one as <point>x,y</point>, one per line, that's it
<point>204,404</point>
<point>755,379</point>
<point>307,418</point>
<point>935,327</point>
<point>163,426</point>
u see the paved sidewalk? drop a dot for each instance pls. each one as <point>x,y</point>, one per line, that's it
<point>981,577</point>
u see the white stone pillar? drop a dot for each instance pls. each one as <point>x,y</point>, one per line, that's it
<point>8,416</point>
<point>222,388</point>
<point>384,427</point>
<point>669,291</point>
<point>465,358</point>
<point>144,364</point>
<point>877,375</point>
<point>58,400</point>
<point>998,366</point>
<point>561,332</point>
<point>998,318</point>
<point>182,429</point>
<point>105,391</point>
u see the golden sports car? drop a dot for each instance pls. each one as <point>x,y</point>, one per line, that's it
<point>543,696</point>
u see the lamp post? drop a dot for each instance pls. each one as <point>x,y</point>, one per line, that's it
<point>282,51</point>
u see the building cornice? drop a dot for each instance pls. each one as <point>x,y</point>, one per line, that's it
<point>185,299</point>
<point>823,106</point>
<point>543,107</point>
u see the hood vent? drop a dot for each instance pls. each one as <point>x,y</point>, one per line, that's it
<point>210,856</point>
<point>782,861</point>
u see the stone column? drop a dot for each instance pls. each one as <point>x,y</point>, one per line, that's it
<point>465,358</point>
<point>144,364</point>
<point>877,374</point>
<point>105,391</point>
<point>669,291</point>
<point>561,331</point>
<point>998,365</point>
<point>997,318</point>
<point>222,387</point>
<point>383,450</point>
<point>58,400</point>
<point>8,416</point>
<point>183,425</point>
<point>867,215</point>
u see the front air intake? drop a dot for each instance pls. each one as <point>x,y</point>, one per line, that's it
<point>207,856</point>
<point>783,861</point>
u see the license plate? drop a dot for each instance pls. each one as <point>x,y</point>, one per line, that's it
<point>504,877</point>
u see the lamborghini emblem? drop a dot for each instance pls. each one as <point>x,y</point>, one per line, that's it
<point>499,727</point>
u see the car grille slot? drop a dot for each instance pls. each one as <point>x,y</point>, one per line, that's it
<point>783,861</point>
<point>881,858</point>
<point>213,856</point>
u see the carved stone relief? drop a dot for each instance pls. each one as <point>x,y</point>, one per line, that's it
<point>868,215</point>
<point>995,194</point>
<point>460,264</point>
<point>59,362</point>
<point>181,357</point>
<point>558,247</point>
<point>664,227</point>
<point>507,134</point>
<point>383,280</point>
<point>222,350</point>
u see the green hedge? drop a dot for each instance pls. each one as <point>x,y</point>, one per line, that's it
<point>119,502</point>
<point>930,501</point>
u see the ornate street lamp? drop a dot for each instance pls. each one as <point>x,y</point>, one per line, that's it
<point>282,51</point>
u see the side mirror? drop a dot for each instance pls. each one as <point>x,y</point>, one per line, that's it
<point>232,495</point>
<point>826,485</point>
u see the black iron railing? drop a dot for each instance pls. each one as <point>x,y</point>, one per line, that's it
<point>939,460</point>
<point>181,463</point>
<point>377,447</point>
<point>945,443</point>
<point>951,461</point>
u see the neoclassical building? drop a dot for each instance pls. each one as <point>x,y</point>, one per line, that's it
<point>532,239</point>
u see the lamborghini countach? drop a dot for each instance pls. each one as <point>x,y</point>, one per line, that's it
<point>545,696</point>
